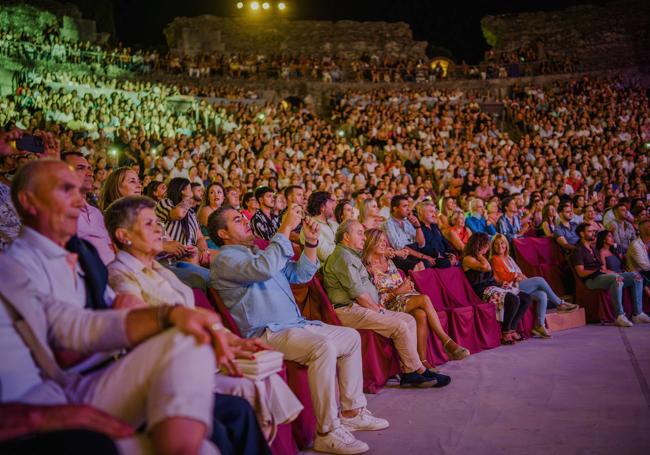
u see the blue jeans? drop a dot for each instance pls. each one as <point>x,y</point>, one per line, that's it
<point>608,281</point>
<point>541,292</point>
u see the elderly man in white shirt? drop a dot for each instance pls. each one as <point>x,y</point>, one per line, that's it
<point>42,301</point>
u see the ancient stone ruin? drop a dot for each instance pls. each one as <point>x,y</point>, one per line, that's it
<point>212,34</point>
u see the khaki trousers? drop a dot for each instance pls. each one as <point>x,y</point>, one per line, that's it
<point>325,349</point>
<point>399,327</point>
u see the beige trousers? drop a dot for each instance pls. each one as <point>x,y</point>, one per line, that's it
<point>399,327</point>
<point>325,350</point>
<point>168,375</point>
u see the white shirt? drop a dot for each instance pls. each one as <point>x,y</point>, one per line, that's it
<point>46,264</point>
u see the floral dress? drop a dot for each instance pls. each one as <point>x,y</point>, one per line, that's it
<point>386,282</point>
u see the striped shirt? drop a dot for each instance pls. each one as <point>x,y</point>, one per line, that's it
<point>185,231</point>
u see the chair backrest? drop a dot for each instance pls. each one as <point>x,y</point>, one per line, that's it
<point>526,252</point>
<point>314,302</point>
<point>456,289</point>
<point>427,283</point>
<point>223,311</point>
<point>201,300</point>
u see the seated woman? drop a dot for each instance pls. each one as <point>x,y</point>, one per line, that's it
<point>609,252</point>
<point>155,190</point>
<point>124,182</point>
<point>214,197</point>
<point>181,225</point>
<point>457,233</point>
<point>398,294</point>
<point>508,274</point>
<point>369,214</point>
<point>343,211</point>
<point>136,232</point>
<point>549,220</point>
<point>511,303</point>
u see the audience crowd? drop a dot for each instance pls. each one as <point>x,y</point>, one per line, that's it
<point>117,212</point>
<point>256,66</point>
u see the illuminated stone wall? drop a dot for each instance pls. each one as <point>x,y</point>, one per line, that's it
<point>209,34</point>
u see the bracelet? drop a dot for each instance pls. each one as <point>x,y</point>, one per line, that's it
<point>163,315</point>
<point>311,245</point>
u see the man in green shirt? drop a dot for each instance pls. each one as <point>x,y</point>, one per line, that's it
<point>356,302</point>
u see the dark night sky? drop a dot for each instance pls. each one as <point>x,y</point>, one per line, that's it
<point>453,25</point>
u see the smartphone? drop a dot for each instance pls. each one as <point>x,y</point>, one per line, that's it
<point>30,143</point>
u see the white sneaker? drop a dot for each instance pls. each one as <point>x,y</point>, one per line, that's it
<point>339,441</point>
<point>641,318</point>
<point>364,421</point>
<point>623,321</point>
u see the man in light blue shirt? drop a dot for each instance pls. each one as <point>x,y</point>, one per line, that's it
<point>476,221</point>
<point>255,286</point>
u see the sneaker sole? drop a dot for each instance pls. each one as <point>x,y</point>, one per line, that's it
<point>365,429</point>
<point>343,452</point>
<point>421,385</point>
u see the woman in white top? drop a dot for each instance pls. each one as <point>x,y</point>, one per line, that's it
<point>136,232</point>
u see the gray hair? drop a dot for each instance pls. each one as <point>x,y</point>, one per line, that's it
<point>26,178</point>
<point>426,203</point>
<point>473,203</point>
<point>123,212</point>
<point>344,228</point>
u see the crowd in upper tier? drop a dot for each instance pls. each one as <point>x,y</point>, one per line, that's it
<point>51,46</point>
<point>115,205</point>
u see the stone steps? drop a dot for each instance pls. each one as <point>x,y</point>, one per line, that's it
<point>557,322</point>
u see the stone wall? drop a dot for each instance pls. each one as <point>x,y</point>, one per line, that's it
<point>35,20</point>
<point>609,35</point>
<point>210,34</point>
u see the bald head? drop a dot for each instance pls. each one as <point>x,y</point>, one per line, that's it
<point>46,195</point>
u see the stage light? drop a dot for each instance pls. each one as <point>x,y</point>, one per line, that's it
<point>153,151</point>
<point>265,5</point>
<point>261,117</point>
<point>113,152</point>
<point>255,6</point>
<point>341,133</point>
<point>282,6</point>
<point>240,5</point>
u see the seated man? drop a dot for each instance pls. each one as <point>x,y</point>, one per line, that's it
<point>509,223</point>
<point>637,254</point>
<point>436,245</point>
<point>265,221</point>
<point>31,322</point>
<point>623,230</point>
<point>320,207</point>
<point>355,301</point>
<point>47,197</point>
<point>565,230</point>
<point>255,286</point>
<point>90,226</point>
<point>592,271</point>
<point>476,220</point>
<point>405,234</point>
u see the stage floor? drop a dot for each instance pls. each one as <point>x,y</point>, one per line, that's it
<point>585,391</point>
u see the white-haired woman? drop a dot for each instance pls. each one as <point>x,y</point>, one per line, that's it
<point>137,234</point>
